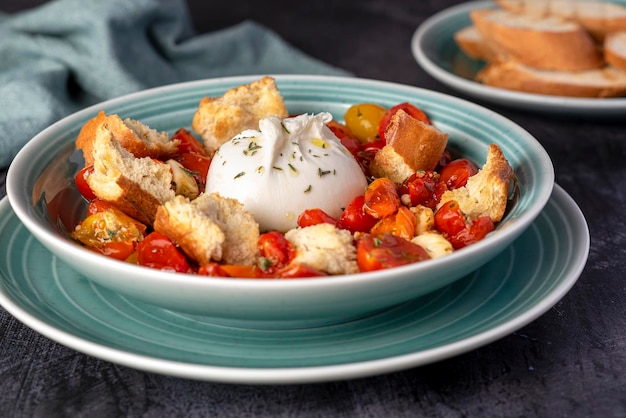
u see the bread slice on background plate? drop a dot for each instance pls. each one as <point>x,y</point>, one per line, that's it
<point>597,83</point>
<point>599,18</point>
<point>549,42</point>
<point>615,49</point>
<point>472,44</point>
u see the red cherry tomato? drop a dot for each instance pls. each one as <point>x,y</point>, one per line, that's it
<point>81,182</point>
<point>274,247</point>
<point>315,216</point>
<point>297,270</point>
<point>476,232</point>
<point>456,173</point>
<point>119,250</point>
<point>409,108</point>
<point>346,136</point>
<point>354,218</point>
<point>188,142</point>
<point>422,188</point>
<point>213,270</point>
<point>159,252</point>
<point>197,164</point>
<point>449,219</point>
<point>377,252</point>
<point>381,198</point>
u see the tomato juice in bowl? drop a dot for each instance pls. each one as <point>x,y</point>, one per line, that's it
<point>41,190</point>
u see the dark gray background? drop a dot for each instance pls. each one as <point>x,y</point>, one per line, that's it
<point>570,362</point>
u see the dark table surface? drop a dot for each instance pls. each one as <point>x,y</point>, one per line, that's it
<point>569,362</point>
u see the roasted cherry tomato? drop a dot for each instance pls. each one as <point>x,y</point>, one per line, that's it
<point>81,182</point>
<point>346,136</point>
<point>213,270</point>
<point>276,249</point>
<point>243,272</point>
<point>476,232</point>
<point>423,188</point>
<point>412,110</point>
<point>197,164</point>
<point>188,143</point>
<point>119,250</point>
<point>315,216</point>
<point>402,224</point>
<point>297,270</point>
<point>381,198</point>
<point>456,173</point>
<point>354,219</point>
<point>377,252</point>
<point>363,120</point>
<point>449,219</point>
<point>159,252</point>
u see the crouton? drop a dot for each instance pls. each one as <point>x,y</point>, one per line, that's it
<point>219,119</point>
<point>412,145</point>
<point>137,138</point>
<point>136,186</point>
<point>210,228</point>
<point>325,248</point>
<point>486,192</point>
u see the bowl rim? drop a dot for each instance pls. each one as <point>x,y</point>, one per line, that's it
<point>19,200</point>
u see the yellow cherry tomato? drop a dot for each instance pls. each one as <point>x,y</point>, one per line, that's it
<point>363,120</point>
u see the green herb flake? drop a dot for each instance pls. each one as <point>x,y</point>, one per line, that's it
<point>243,173</point>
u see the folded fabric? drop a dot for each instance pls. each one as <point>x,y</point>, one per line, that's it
<point>67,54</point>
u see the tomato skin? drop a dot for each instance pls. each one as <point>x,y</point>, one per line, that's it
<point>197,164</point>
<point>409,108</point>
<point>378,252</point>
<point>314,217</point>
<point>423,188</point>
<point>159,252</point>
<point>213,270</point>
<point>276,248</point>
<point>381,198</point>
<point>401,224</point>
<point>188,143</point>
<point>119,250</point>
<point>297,271</point>
<point>476,232</point>
<point>449,219</point>
<point>81,183</point>
<point>346,136</point>
<point>455,173</point>
<point>354,219</point>
<point>363,120</point>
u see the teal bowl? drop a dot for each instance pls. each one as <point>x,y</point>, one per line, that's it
<point>41,191</point>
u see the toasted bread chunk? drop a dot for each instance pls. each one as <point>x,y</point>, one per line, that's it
<point>472,44</point>
<point>615,49</point>
<point>548,42</point>
<point>210,228</point>
<point>137,138</point>
<point>486,192</point>
<point>603,82</point>
<point>411,145</point>
<point>136,186</point>
<point>218,119</point>
<point>599,18</point>
<point>325,248</point>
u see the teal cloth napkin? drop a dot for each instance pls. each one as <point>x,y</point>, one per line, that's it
<point>68,54</point>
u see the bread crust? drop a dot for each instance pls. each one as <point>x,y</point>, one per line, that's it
<point>600,83</point>
<point>615,49</point>
<point>136,186</point>
<point>137,138</point>
<point>472,44</point>
<point>548,43</point>
<point>412,145</point>
<point>219,119</point>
